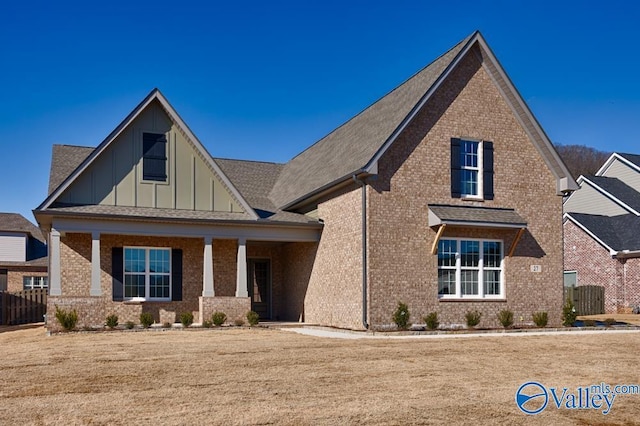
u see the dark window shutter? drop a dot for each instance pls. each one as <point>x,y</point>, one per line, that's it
<point>487,169</point>
<point>117,274</point>
<point>176,275</point>
<point>154,156</point>
<point>455,168</point>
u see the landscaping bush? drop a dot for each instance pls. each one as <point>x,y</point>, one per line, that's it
<point>186,319</point>
<point>218,318</point>
<point>146,319</point>
<point>473,318</point>
<point>540,319</point>
<point>112,321</point>
<point>253,318</point>
<point>401,316</point>
<point>432,321</point>
<point>67,320</point>
<point>129,325</point>
<point>239,322</point>
<point>506,318</point>
<point>207,324</point>
<point>568,313</point>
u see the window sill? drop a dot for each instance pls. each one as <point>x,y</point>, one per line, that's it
<point>471,198</point>
<point>477,299</point>
<point>141,301</point>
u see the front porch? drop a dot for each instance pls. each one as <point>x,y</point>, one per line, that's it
<point>267,272</point>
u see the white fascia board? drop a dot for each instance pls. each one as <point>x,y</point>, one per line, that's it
<point>568,216</point>
<point>615,156</point>
<point>611,197</point>
<point>223,231</point>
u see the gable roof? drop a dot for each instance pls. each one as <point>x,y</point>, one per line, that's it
<point>631,160</point>
<point>154,95</point>
<point>356,146</point>
<point>64,160</point>
<point>616,190</point>
<point>618,234</point>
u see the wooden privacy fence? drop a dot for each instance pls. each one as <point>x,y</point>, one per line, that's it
<point>588,299</point>
<point>23,307</point>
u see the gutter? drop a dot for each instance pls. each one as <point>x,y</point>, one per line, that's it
<point>363,184</point>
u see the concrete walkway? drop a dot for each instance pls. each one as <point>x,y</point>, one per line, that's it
<point>347,334</point>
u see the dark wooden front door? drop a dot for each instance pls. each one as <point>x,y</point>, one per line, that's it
<point>259,283</point>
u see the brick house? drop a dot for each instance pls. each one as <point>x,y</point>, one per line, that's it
<point>419,198</point>
<point>23,254</point>
<point>601,223</point>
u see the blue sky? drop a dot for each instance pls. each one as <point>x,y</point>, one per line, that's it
<point>265,79</point>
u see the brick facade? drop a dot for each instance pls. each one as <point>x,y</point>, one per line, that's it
<point>619,277</point>
<point>16,274</point>
<point>415,172</point>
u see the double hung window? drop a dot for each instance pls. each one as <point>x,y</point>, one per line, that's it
<point>147,273</point>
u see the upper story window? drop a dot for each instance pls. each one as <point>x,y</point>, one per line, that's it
<point>154,157</point>
<point>471,169</point>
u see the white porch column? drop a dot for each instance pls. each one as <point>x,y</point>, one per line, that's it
<point>207,273</point>
<point>54,263</point>
<point>95,265</point>
<point>241,278</point>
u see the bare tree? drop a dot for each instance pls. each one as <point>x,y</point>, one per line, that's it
<point>581,159</point>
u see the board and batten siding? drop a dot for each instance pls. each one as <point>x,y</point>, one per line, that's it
<point>115,178</point>
<point>589,200</point>
<point>13,247</point>
<point>625,173</point>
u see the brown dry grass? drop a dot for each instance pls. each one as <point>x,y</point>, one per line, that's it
<point>261,376</point>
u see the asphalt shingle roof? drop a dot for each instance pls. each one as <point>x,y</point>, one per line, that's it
<point>14,222</point>
<point>64,160</point>
<point>618,189</point>
<point>634,158</point>
<point>351,146</point>
<point>618,232</point>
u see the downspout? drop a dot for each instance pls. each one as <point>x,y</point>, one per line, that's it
<point>363,184</point>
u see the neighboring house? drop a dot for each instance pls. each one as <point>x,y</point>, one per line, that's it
<point>23,254</point>
<point>444,194</point>
<point>602,242</point>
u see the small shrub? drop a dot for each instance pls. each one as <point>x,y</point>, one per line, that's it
<point>239,322</point>
<point>609,322</point>
<point>253,318</point>
<point>207,324</point>
<point>473,318</point>
<point>401,316</point>
<point>67,320</point>
<point>506,318</point>
<point>432,321</point>
<point>540,319</point>
<point>589,323</point>
<point>186,319</point>
<point>568,313</point>
<point>218,318</point>
<point>112,321</point>
<point>146,319</point>
<point>129,325</point>
<point>166,324</point>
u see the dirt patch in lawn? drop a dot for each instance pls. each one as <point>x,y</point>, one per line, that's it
<point>266,376</point>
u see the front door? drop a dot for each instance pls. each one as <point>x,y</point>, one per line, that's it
<point>259,283</point>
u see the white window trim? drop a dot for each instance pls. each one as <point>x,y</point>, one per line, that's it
<point>458,268</point>
<point>42,282</point>
<point>479,169</point>
<point>147,275</point>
